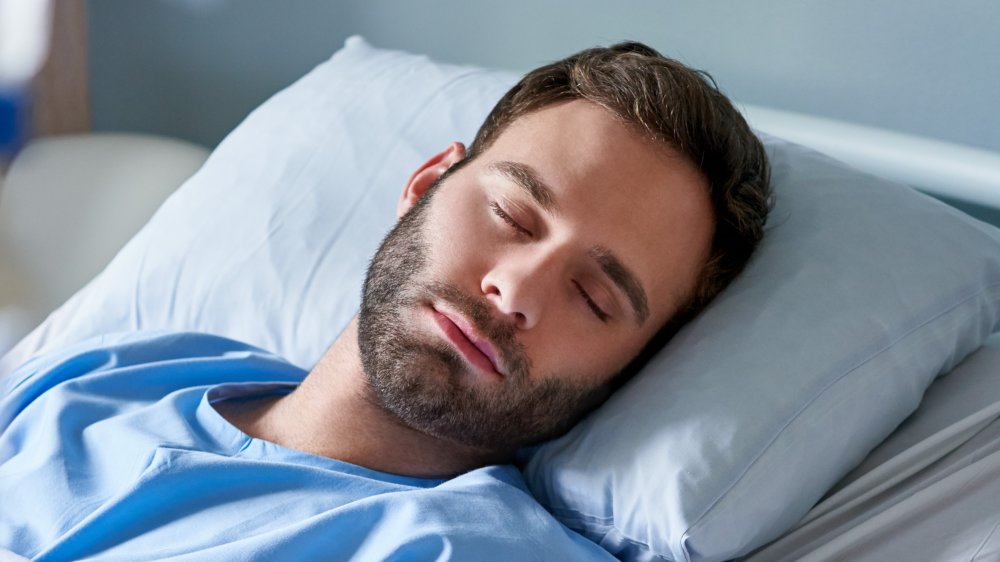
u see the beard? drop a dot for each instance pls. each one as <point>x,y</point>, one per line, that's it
<point>426,383</point>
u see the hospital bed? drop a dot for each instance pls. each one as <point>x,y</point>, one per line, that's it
<point>783,424</point>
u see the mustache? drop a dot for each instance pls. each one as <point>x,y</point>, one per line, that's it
<point>502,335</point>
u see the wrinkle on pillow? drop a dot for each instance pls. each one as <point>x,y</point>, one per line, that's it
<point>862,292</point>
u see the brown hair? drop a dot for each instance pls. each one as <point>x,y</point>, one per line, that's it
<point>671,103</point>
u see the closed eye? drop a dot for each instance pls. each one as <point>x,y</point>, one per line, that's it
<point>505,217</point>
<point>603,316</point>
<point>498,211</point>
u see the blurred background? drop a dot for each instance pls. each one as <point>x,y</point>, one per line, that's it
<point>133,95</point>
<point>192,69</point>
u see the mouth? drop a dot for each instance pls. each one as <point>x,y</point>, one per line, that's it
<point>476,349</point>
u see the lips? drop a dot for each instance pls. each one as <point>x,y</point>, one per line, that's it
<point>476,349</point>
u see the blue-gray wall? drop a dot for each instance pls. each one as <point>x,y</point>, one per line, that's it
<point>194,68</point>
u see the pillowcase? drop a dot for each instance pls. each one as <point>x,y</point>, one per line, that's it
<point>860,294</point>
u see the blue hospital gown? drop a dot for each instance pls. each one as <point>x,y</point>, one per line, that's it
<point>111,450</point>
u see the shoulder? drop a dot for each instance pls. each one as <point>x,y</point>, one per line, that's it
<point>170,358</point>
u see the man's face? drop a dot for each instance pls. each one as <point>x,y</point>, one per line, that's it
<point>495,314</point>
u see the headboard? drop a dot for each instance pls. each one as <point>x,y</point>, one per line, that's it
<point>942,169</point>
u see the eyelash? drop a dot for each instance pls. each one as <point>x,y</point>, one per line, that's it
<point>498,211</point>
<point>601,315</point>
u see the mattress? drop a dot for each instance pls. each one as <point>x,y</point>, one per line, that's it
<point>931,491</point>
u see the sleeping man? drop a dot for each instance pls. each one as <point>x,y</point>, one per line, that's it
<point>604,201</point>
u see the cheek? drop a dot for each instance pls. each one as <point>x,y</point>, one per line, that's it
<point>577,352</point>
<point>458,242</point>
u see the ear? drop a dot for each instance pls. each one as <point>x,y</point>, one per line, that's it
<point>426,175</point>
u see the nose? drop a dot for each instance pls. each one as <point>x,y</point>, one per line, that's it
<point>520,287</point>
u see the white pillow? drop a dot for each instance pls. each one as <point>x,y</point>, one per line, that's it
<point>861,293</point>
<point>268,243</point>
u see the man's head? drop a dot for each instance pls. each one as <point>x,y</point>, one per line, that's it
<point>606,199</point>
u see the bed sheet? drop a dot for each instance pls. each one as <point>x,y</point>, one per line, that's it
<point>931,491</point>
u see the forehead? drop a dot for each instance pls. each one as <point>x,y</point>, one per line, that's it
<point>614,188</point>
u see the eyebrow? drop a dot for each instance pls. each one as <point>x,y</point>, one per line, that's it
<point>625,279</point>
<point>527,179</point>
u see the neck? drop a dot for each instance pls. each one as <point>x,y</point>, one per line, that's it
<point>335,414</point>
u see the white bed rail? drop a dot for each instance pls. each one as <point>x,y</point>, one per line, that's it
<point>939,168</point>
